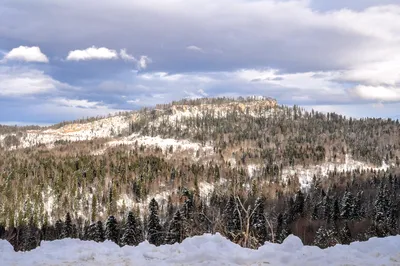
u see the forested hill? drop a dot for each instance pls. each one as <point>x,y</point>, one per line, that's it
<point>243,167</point>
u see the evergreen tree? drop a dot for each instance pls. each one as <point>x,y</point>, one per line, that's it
<point>382,211</point>
<point>29,236</point>
<point>347,206</point>
<point>98,232</point>
<point>67,227</point>
<point>129,236</point>
<point>59,228</point>
<point>112,232</point>
<point>231,217</point>
<point>345,234</point>
<point>155,236</point>
<point>175,233</point>
<point>258,222</point>
<point>299,203</point>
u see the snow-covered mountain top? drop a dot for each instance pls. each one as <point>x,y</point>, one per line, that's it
<point>205,250</point>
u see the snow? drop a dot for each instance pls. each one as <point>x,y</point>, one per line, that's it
<point>102,128</point>
<point>204,250</point>
<point>164,144</point>
<point>305,174</point>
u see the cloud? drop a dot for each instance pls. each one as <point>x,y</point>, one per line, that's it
<point>27,54</point>
<point>144,61</point>
<point>17,81</point>
<point>378,93</point>
<point>92,53</point>
<point>126,57</point>
<point>76,103</point>
<point>195,48</point>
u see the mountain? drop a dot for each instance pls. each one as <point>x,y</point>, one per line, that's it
<point>191,155</point>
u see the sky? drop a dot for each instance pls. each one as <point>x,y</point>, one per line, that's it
<point>63,60</point>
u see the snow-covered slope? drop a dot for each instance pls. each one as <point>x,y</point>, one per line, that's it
<point>205,250</point>
<point>103,128</point>
<point>305,174</point>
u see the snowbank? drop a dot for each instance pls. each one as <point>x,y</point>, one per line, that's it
<point>204,250</point>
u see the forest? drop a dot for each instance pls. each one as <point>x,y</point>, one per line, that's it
<point>131,193</point>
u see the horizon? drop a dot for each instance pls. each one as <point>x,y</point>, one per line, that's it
<point>70,63</point>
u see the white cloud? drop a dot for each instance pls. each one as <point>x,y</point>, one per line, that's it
<point>125,56</point>
<point>92,53</point>
<point>76,103</point>
<point>27,54</point>
<point>378,93</point>
<point>25,81</point>
<point>144,61</point>
<point>133,101</point>
<point>194,48</point>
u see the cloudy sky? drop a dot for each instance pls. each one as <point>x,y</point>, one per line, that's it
<point>62,60</point>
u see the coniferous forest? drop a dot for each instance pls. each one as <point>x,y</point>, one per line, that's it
<point>128,194</point>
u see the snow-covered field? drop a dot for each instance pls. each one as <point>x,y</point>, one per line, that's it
<point>205,250</point>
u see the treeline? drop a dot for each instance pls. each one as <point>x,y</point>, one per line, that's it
<point>339,213</point>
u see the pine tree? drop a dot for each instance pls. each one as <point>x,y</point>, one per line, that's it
<point>29,236</point>
<point>326,237</point>
<point>381,211</point>
<point>231,217</point>
<point>59,227</point>
<point>345,235</point>
<point>347,208</point>
<point>299,203</point>
<point>98,232</point>
<point>129,236</point>
<point>67,227</point>
<point>155,236</point>
<point>175,232</point>
<point>335,212</point>
<point>258,222</point>
<point>112,232</point>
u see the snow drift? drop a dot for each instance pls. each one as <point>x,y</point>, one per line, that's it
<point>204,250</point>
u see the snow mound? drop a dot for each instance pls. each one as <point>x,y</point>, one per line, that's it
<point>204,250</point>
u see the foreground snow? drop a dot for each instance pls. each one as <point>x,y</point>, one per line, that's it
<point>204,250</point>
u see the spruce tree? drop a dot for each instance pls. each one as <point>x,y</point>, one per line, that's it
<point>98,232</point>
<point>154,236</point>
<point>231,217</point>
<point>112,232</point>
<point>175,232</point>
<point>129,236</point>
<point>258,221</point>
<point>345,235</point>
<point>67,227</point>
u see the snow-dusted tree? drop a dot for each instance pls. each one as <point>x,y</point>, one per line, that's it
<point>335,212</point>
<point>231,217</point>
<point>112,232</point>
<point>98,232</point>
<point>29,236</point>
<point>283,229</point>
<point>258,221</point>
<point>298,206</point>
<point>155,234</point>
<point>382,211</point>
<point>58,229</point>
<point>67,227</point>
<point>345,235</point>
<point>176,231</point>
<point>130,236</point>
<point>347,206</point>
<point>326,237</point>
